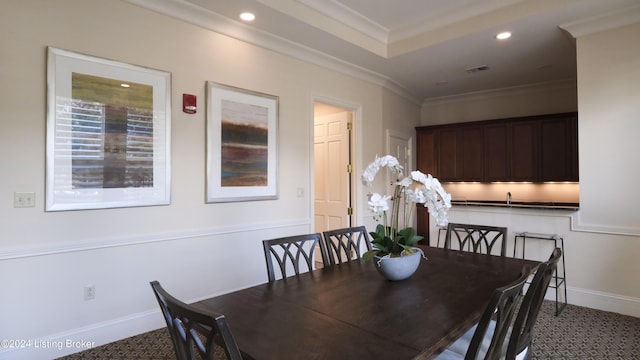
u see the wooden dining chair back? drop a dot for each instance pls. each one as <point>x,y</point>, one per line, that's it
<point>195,333</point>
<point>522,333</point>
<point>295,253</point>
<point>499,313</point>
<point>482,239</point>
<point>346,244</point>
<point>486,340</point>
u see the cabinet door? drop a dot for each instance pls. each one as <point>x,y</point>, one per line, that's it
<point>497,159</point>
<point>447,148</point>
<point>422,223</point>
<point>470,165</point>
<point>524,151</point>
<point>426,158</point>
<point>558,149</point>
<point>427,162</point>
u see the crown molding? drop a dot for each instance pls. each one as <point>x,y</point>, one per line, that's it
<point>508,91</point>
<point>350,18</point>
<point>608,21</point>
<point>195,15</point>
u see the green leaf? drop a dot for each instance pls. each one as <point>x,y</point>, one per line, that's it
<point>409,237</point>
<point>369,255</point>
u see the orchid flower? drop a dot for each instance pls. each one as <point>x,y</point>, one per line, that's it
<point>416,188</point>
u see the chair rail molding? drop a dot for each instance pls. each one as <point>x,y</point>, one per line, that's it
<point>578,225</point>
<point>67,247</point>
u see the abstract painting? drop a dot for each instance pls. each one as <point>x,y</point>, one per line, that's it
<point>241,144</point>
<point>108,127</point>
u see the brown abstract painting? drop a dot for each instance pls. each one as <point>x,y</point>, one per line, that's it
<point>244,145</point>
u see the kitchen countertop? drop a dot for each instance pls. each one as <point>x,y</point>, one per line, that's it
<point>518,204</point>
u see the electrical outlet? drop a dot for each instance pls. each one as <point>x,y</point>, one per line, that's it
<point>89,292</point>
<point>24,199</point>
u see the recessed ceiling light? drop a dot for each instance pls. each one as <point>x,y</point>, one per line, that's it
<point>247,16</point>
<point>503,35</point>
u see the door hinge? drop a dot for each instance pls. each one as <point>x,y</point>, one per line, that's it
<point>349,126</point>
<point>349,168</point>
<point>349,211</point>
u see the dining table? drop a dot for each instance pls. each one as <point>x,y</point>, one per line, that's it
<point>349,311</point>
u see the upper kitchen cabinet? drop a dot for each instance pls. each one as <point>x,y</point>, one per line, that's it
<point>470,153</point>
<point>497,155</point>
<point>559,148</point>
<point>425,143</point>
<point>531,149</point>
<point>525,149</point>
<point>446,150</point>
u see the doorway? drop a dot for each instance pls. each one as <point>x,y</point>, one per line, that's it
<point>333,159</point>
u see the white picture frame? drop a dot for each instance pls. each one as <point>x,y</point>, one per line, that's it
<point>108,133</point>
<point>242,149</point>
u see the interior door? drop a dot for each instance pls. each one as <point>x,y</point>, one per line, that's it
<point>332,175</point>
<point>399,145</point>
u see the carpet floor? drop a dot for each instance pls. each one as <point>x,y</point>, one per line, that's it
<point>578,333</point>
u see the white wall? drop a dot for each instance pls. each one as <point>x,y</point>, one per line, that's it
<point>537,99</point>
<point>194,249</point>
<point>609,93</point>
<point>601,263</point>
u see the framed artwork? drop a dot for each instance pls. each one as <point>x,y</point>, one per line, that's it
<point>242,156</point>
<point>108,133</point>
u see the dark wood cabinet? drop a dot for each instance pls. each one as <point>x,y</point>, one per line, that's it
<point>425,145</point>
<point>524,151</point>
<point>558,148</point>
<point>532,149</point>
<point>469,166</point>
<point>446,149</point>
<point>527,149</point>
<point>497,157</point>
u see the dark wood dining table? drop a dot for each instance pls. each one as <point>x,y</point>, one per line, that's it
<point>349,311</point>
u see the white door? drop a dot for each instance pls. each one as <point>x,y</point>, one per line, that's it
<point>331,159</point>
<point>399,145</point>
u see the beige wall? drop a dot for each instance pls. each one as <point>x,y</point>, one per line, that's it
<point>609,93</point>
<point>192,248</point>
<point>538,99</point>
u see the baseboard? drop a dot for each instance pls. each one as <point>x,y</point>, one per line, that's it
<point>62,344</point>
<point>625,305</point>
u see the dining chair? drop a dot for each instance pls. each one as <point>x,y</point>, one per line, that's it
<point>486,339</point>
<point>476,238</point>
<point>522,332</point>
<point>195,333</point>
<point>344,245</point>
<point>293,252</point>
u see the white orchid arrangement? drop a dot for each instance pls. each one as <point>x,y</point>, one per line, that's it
<point>417,188</point>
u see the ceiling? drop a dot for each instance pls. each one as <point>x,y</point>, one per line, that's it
<point>425,49</point>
